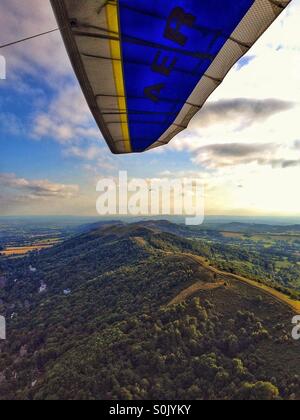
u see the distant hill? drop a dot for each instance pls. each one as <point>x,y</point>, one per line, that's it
<point>126,314</point>
<point>181,229</point>
<point>253,228</point>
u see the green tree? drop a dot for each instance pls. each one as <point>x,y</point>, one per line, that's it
<point>261,391</point>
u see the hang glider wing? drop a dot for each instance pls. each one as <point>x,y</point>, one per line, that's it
<point>147,67</point>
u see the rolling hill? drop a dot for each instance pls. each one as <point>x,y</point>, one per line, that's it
<point>127,313</point>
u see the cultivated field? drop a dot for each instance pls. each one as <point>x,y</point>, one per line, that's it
<point>23,250</point>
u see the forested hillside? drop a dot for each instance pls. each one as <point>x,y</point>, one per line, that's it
<point>122,313</point>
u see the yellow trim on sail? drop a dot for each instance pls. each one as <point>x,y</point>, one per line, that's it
<point>115,48</point>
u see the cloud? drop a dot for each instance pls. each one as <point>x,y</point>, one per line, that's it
<point>297,145</point>
<point>66,119</point>
<point>246,111</point>
<point>38,188</point>
<point>97,158</point>
<point>88,153</point>
<point>222,155</point>
<point>284,163</point>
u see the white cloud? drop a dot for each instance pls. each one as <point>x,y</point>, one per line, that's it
<point>217,156</point>
<point>297,144</point>
<point>88,153</point>
<point>66,119</point>
<point>243,112</point>
<point>38,189</point>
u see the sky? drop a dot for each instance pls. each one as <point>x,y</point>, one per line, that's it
<point>244,144</point>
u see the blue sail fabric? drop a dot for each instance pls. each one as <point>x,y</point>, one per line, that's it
<point>167,46</point>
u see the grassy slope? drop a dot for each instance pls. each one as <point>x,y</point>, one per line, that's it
<point>282,298</point>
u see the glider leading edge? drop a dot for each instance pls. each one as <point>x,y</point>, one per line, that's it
<point>147,67</point>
